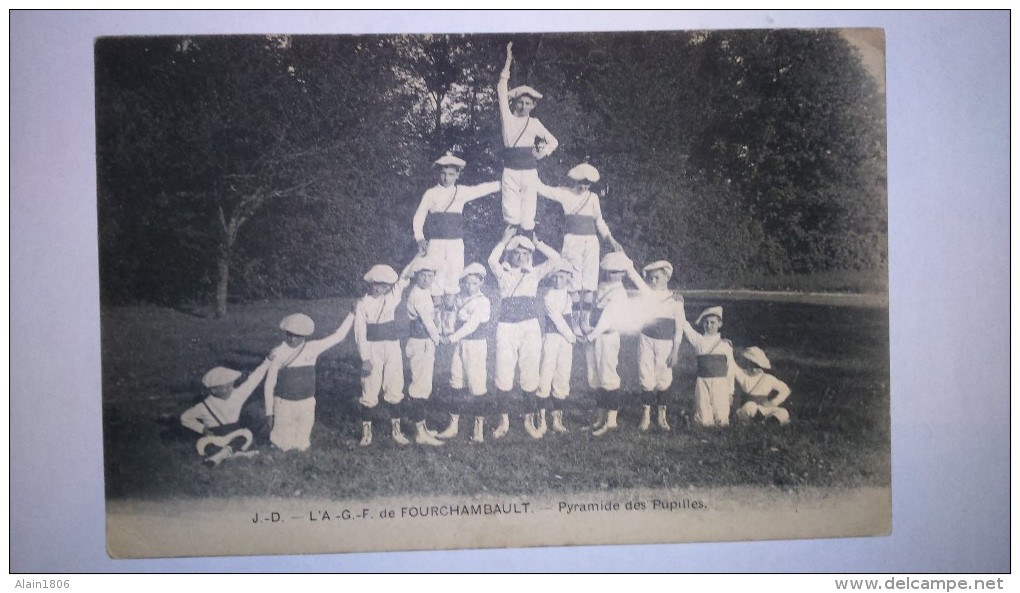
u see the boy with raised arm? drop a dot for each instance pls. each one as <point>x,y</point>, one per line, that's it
<point>525,142</point>
<point>290,380</point>
<point>217,417</point>
<point>378,341</point>
<point>602,353</point>
<point>659,343</point>
<point>713,390</point>
<point>518,333</point>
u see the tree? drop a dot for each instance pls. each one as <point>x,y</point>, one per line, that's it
<point>223,126</point>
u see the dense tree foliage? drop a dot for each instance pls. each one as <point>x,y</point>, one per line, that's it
<point>267,166</point>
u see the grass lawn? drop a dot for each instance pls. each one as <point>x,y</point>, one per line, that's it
<point>833,353</point>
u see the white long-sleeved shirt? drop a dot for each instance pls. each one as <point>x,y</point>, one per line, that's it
<point>558,304</point>
<point>611,298</point>
<point>520,131</point>
<point>762,386</point>
<point>448,200</point>
<point>472,311</point>
<point>372,309</point>
<point>585,203</point>
<point>306,354</point>
<point>420,306</point>
<point>214,411</point>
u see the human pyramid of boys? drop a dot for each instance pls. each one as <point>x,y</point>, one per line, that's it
<point>447,308</point>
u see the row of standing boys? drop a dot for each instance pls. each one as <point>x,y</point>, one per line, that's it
<point>446,306</point>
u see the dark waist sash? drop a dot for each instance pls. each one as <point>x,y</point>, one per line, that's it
<point>711,366</point>
<point>578,224</point>
<point>478,334</point>
<point>761,400</point>
<point>661,328</point>
<point>517,309</point>
<point>418,329</point>
<point>444,225</point>
<point>383,332</point>
<point>296,383</point>
<point>519,158</point>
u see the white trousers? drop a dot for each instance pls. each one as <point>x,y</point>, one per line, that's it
<point>518,345</point>
<point>583,252</point>
<point>554,373</point>
<point>421,359</point>
<point>387,374</point>
<point>292,423</point>
<point>750,409</point>
<point>603,357</point>
<point>448,254</point>
<point>520,197</point>
<point>712,400</point>
<point>468,366</point>
<point>654,371</point>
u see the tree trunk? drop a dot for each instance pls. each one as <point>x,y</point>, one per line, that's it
<point>222,283</point>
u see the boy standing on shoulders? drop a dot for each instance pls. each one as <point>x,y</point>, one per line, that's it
<point>378,340</point>
<point>470,355</point>
<point>759,387</point>
<point>713,390</point>
<point>518,333</point>
<point>290,380</point>
<point>421,346</point>
<point>438,226</point>
<point>217,417</point>
<point>525,142</point>
<point>583,226</point>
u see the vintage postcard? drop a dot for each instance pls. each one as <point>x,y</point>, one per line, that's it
<point>403,292</point>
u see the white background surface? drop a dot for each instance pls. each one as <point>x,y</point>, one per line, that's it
<point>948,112</point>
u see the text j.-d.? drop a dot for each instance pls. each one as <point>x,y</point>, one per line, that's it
<point>272,517</point>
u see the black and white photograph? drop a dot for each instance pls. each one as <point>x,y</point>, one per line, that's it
<point>718,294</point>
<point>387,292</point>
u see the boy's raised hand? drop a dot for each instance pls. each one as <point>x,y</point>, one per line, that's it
<point>509,56</point>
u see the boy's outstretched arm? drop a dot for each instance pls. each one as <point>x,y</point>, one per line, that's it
<point>336,337</point>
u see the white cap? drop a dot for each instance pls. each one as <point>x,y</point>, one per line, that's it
<point>717,311</point>
<point>220,376</point>
<point>298,324</point>
<point>524,90</point>
<point>757,356</point>
<point>615,261</point>
<point>519,241</point>
<point>448,160</point>
<point>381,273</point>
<point>660,265</point>
<point>584,172</point>
<point>475,268</point>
